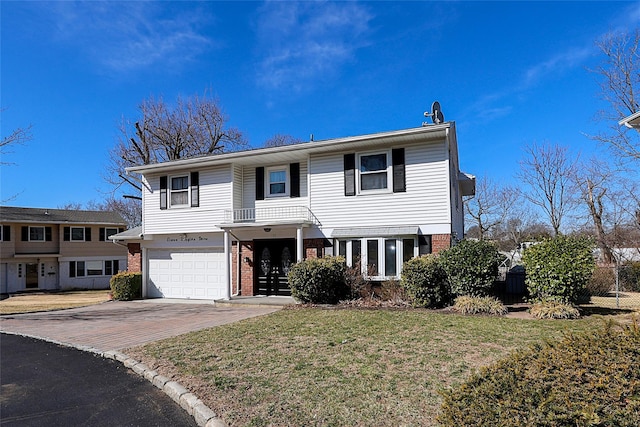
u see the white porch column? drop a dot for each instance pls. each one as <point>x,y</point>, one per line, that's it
<point>227,264</point>
<point>299,245</point>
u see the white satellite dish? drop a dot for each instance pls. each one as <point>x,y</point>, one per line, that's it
<point>436,113</point>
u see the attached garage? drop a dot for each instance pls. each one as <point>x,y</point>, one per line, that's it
<point>188,274</point>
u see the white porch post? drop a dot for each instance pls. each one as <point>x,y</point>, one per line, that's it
<point>299,245</point>
<point>227,265</point>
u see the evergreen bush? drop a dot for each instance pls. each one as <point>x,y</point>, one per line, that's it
<point>424,281</point>
<point>126,286</point>
<point>559,269</point>
<point>319,280</point>
<point>588,379</point>
<point>471,266</point>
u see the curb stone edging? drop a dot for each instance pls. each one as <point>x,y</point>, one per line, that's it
<point>203,415</point>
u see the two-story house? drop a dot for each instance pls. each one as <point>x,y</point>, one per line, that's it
<point>230,224</point>
<point>51,249</point>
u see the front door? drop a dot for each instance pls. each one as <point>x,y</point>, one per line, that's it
<point>273,261</point>
<point>32,276</point>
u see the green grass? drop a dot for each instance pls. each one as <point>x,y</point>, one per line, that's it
<point>338,367</point>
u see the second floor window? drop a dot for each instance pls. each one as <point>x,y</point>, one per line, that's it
<point>373,171</point>
<point>36,234</point>
<point>179,191</point>
<point>77,234</point>
<point>277,182</point>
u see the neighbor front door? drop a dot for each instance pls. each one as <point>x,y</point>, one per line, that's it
<point>32,276</point>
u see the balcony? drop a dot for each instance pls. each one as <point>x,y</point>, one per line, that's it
<point>272,215</point>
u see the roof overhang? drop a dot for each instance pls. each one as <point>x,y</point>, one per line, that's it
<point>467,184</point>
<point>382,231</point>
<point>290,153</point>
<point>632,121</point>
<point>131,234</point>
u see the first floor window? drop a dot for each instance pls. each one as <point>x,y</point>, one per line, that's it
<point>111,267</point>
<point>390,257</point>
<point>94,268</point>
<point>76,269</point>
<point>382,256</point>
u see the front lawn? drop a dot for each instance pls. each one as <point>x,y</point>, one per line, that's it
<point>47,301</point>
<point>311,366</point>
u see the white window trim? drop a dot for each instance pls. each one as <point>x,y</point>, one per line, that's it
<point>359,173</point>
<point>287,181</point>
<point>170,191</point>
<point>44,234</point>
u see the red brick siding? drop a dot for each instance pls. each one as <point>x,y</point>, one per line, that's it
<point>440,242</point>
<point>134,258</point>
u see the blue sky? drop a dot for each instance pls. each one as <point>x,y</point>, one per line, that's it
<point>508,74</point>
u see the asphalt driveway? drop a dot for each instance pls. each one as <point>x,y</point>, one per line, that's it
<point>116,325</point>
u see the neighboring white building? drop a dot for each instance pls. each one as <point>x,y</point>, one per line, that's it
<point>233,223</point>
<point>48,249</point>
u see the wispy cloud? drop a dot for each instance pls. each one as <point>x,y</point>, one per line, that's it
<point>128,36</point>
<point>306,41</point>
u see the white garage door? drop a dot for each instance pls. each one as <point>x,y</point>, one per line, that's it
<point>186,274</point>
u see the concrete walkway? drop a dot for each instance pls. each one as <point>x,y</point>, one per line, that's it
<point>116,325</point>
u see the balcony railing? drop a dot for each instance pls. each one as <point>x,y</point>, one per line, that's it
<point>272,214</point>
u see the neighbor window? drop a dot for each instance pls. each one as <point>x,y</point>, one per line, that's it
<point>94,268</point>
<point>390,260</point>
<point>179,191</point>
<point>77,234</point>
<point>111,267</point>
<point>277,182</point>
<point>36,234</point>
<point>374,172</point>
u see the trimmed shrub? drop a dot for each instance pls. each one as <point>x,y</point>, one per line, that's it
<point>424,281</point>
<point>479,305</point>
<point>126,286</point>
<point>559,269</point>
<point>471,266</point>
<point>319,280</point>
<point>554,310</point>
<point>588,379</point>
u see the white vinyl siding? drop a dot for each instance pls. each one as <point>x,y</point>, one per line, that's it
<point>426,200</point>
<point>215,196</point>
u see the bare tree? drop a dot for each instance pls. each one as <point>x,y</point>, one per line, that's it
<point>130,210</point>
<point>547,170</point>
<point>195,126</point>
<point>279,140</point>
<point>490,206</point>
<point>18,136</point>
<point>620,87</point>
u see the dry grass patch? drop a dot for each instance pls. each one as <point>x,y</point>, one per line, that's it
<point>29,303</point>
<point>355,367</point>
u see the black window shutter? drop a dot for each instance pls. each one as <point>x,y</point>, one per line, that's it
<point>120,230</point>
<point>67,234</point>
<point>195,189</point>
<point>399,181</point>
<point>294,171</point>
<point>260,183</point>
<point>6,233</point>
<point>350,174</point>
<point>87,234</point>
<point>72,269</point>
<point>116,266</point>
<point>102,237</point>
<point>163,192</point>
<point>47,234</point>
<point>25,234</point>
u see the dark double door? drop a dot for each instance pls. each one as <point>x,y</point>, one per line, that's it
<point>273,259</point>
